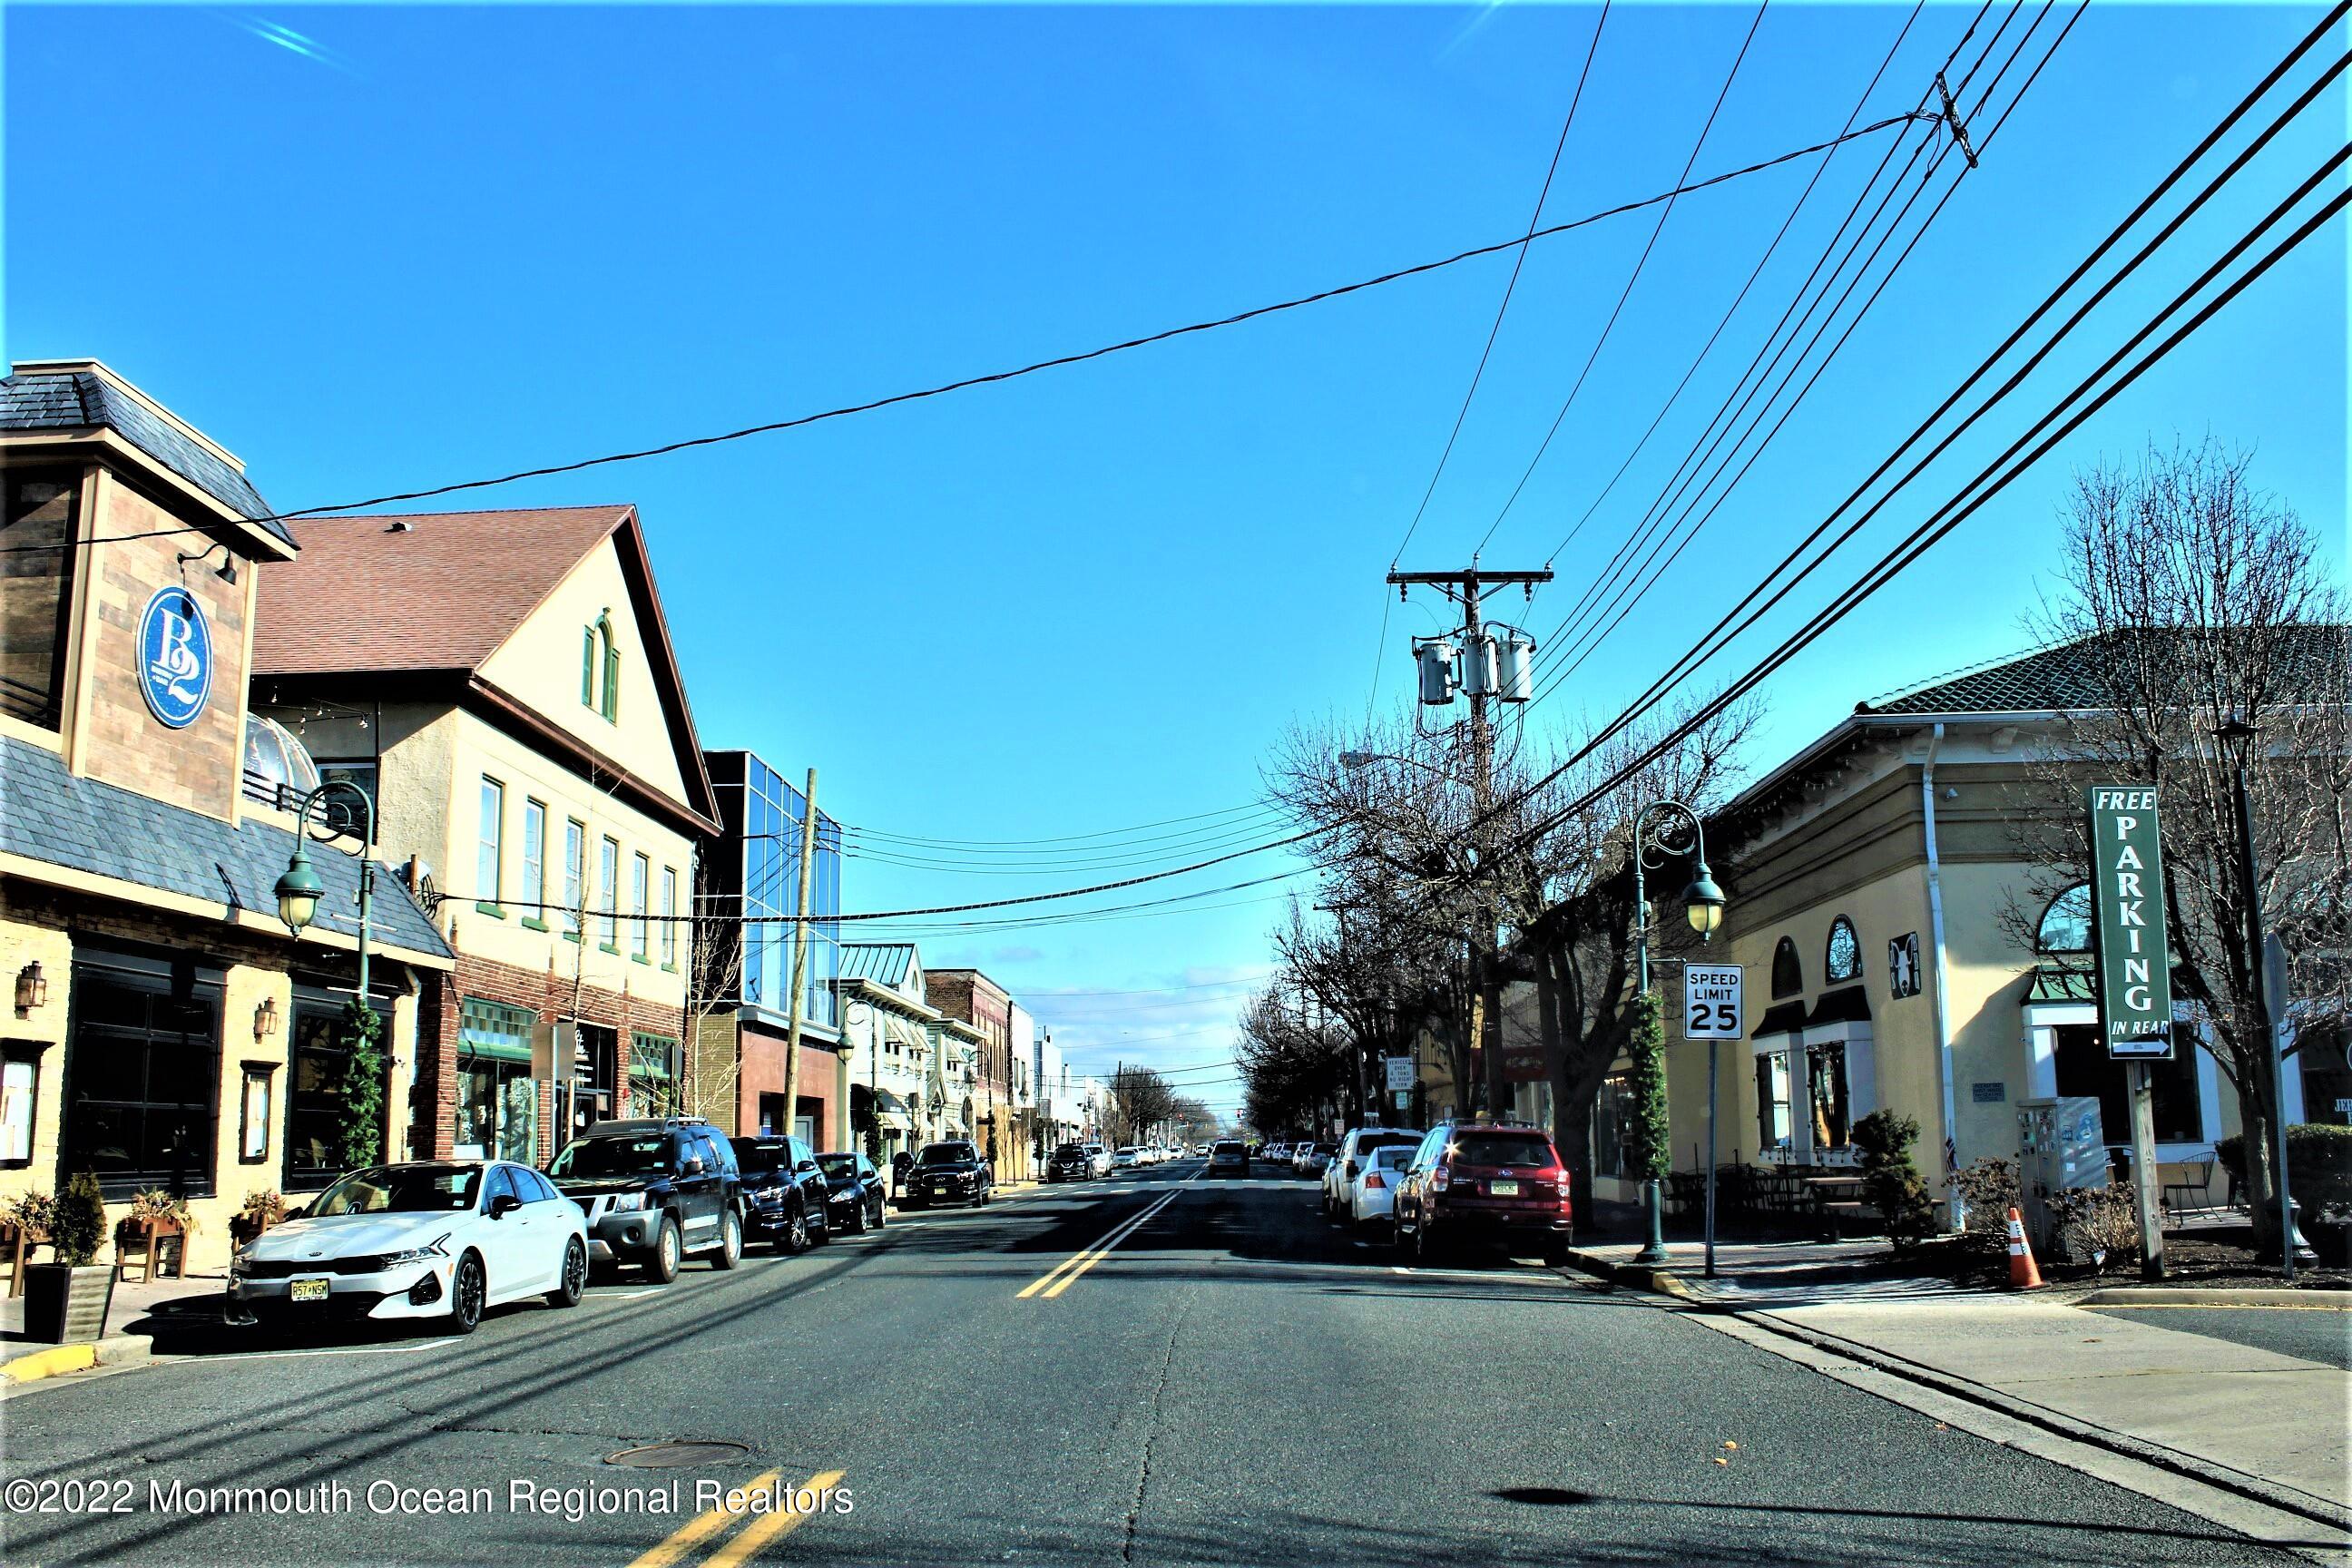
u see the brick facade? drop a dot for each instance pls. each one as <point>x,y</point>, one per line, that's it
<point>973,998</point>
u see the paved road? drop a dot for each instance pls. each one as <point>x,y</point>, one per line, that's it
<point>2307,1334</point>
<point>1235,1382</point>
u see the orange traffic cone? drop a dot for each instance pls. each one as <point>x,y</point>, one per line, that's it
<point>2023,1274</point>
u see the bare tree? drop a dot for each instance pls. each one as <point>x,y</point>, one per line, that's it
<point>2194,599</point>
<point>714,989</point>
<point>1144,1100</point>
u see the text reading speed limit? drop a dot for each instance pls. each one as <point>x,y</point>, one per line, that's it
<point>1711,1001</point>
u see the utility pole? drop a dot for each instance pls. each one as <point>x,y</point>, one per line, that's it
<point>800,962</point>
<point>1483,680</point>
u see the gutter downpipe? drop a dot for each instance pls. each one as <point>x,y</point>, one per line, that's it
<point>1956,1208</point>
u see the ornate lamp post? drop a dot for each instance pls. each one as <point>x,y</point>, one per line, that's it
<point>1664,828</point>
<point>300,889</point>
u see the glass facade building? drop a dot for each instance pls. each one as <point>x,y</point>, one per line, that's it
<point>755,872</point>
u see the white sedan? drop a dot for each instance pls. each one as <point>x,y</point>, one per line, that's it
<point>1371,1195</point>
<point>1126,1158</point>
<point>436,1238</point>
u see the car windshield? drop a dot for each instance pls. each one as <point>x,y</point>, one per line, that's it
<point>1068,1151</point>
<point>946,1154</point>
<point>838,1166</point>
<point>760,1154</point>
<point>637,1154</point>
<point>1501,1149</point>
<point>402,1189</point>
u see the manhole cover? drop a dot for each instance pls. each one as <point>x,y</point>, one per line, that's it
<point>675,1456</point>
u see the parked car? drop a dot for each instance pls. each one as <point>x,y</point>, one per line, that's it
<point>1278,1152</point>
<point>1346,1165</point>
<point>1069,1162</point>
<point>1229,1157</point>
<point>855,1199</point>
<point>950,1172</point>
<point>1310,1159</point>
<point>1472,1180</point>
<point>434,1239</point>
<point>1126,1158</point>
<point>1370,1195</point>
<point>787,1200</point>
<point>1100,1158</point>
<point>656,1191</point>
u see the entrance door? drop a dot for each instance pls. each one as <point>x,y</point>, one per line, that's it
<point>595,1069</point>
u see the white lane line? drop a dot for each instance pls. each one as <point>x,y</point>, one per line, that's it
<point>345,1349</point>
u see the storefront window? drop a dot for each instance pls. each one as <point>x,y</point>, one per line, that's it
<point>1773,1126</point>
<point>653,1076</point>
<point>36,569</point>
<point>2086,1068</point>
<point>2327,1075</point>
<point>498,1099</point>
<point>141,1098</point>
<point>1609,1125</point>
<point>1832,1105</point>
<point>314,1094</point>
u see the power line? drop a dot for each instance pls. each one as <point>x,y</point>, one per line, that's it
<point>1010,844</point>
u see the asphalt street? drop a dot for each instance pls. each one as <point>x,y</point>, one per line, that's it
<point>1231,1380</point>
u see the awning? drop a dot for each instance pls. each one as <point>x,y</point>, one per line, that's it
<point>909,1035</point>
<point>886,1104</point>
<point>2061,983</point>
<point>1848,1005</point>
<point>1777,1029</point>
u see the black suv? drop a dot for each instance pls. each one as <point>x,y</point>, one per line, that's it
<point>655,1190</point>
<point>857,1200</point>
<point>950,1172</point>
<point>786,1202</point>
<point>1069,1162</point>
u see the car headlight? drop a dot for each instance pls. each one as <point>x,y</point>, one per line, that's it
<point>768,1195</point>
<point>627,1202</point>
<point>425,1254</point>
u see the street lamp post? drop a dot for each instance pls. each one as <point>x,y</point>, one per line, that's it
<point>1655,831</point>
<point>300,889</point>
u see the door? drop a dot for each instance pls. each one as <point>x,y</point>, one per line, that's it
<point>698,1184</point>
<point>508,1259</point>
<point>550,1225</point>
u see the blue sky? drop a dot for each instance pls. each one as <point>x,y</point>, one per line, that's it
<point>433,244</point>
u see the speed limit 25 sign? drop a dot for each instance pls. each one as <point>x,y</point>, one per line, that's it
<point>1711,1001</point>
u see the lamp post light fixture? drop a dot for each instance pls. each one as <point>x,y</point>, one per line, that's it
<point>264,1019</point>
<point>301,889</point>
<point>1663,829</point>
<point>32,988</point>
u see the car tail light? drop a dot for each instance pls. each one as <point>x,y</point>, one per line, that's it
<point>1373,1182</point>
<point>1438,1178</point>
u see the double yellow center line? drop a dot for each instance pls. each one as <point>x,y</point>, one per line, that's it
<point>1060,1278</point>
<point>748,1542</point>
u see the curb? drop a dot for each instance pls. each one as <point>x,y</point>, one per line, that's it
<point>1661,1281</point>
<point>58,1360</point>
<point>2193,1295</point>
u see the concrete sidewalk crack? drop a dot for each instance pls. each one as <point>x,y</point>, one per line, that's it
<point>1151,1430</point>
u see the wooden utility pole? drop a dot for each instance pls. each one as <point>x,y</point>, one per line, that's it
<point>800,962</point>
<point>1487,1010</point>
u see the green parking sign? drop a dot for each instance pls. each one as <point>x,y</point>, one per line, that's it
<point>2135,966</point>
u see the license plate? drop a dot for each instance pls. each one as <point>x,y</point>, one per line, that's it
<point>308,1290</point>
<point>1504,1189</point>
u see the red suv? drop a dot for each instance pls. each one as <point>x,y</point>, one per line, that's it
<point>1476,1180</point>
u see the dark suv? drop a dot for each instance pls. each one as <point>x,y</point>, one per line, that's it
<point>1476,1180</point>
<point>786,1200</point>
<point>654,1190</point>
<point>948,1172</point>
<point>1069,1162</point>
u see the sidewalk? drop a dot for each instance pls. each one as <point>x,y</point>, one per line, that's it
<point>134,1306</point>
<point>2271,1423</point>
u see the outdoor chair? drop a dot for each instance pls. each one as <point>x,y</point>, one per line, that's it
<point>2196,1177</point>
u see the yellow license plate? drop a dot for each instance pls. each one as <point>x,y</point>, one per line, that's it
<point>1504,1189</point>
<point>308,1290</point>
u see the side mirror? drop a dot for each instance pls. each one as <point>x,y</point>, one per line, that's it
<point>693,1166</point>
<point>504,1205</point>
<point>806,1166</point>
<point>301,1213</point>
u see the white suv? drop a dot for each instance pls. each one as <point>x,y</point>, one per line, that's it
<point>1339,1175</point>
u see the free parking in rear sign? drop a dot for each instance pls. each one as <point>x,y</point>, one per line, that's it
<point>2135,967</point>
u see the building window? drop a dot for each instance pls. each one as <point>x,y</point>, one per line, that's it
<point>487,845</point>
<point>575,873</point>
<point>253,1114</point>
<point>2086,1068</point>
<point>534,857</point>
<point>652,1075</point>
<point>2065,925</point>
<point>498,1099</point>
<point>669,921</point>
<point>38,552</point>
<point>317,1059</point>
<point>1609,1125</point>
<point>641,872</point>
<point>2327,1062</point>
<point>1788,968</point>
<point>600,669</point>
<point>142,1097</point>
<point>20,1076</point>
<point>1773,1127</point>
<point>1833,1101</point>
<point>608,879</point>
<point>1842,960</point>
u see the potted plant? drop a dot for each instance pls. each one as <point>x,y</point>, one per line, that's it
<point>156,1216</point>
<point>24,1225</point>
<point>261,1210</point>
<point>67,1301</point>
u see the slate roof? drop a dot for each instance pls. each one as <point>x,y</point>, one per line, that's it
<point>884,962</point>
<point>112,832</point>
<point>442,593</point>
<point>2064,675</point>
<point>38,398</point>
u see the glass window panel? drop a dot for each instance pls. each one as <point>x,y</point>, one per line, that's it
<point>669,908</point>
<point>575,867</point>
<point>486,850</point>
<point>608,881</point>
<point>534,856</point>
<point>640,874</point>
<point>36,591</point>
<point>1844,959</point>
<point>18,1082</point>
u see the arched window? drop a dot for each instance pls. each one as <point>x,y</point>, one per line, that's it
<point>1844,959</point>
<point>2066,924</point>
<point>1788,968</point>
<point>600,669</point>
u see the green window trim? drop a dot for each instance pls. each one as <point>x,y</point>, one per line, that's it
<point>495,911</point>
<point>600,669</point>
<point>529,923</point>
<point>495,1030</point>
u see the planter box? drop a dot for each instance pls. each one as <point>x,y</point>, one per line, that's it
<point>66,1305</point>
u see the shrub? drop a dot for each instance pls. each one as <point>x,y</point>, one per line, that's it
<point>1648,1156</point>
<point>1988,1191</point>
<point>1894,1184</point>
<point>78,1229</point>
<point>2099,1226</point>
<point>362,1126</point>
<point>2319,1164</point>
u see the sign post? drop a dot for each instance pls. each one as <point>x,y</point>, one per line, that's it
<point>1711,1012</point>
<point>2134,974</point>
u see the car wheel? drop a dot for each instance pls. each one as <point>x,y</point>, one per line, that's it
<point>468,1289</point>
<point>793,1239</point>
<point>1555,1254</point>
<point>857,1218</point>
<point>1424,1250</point>
<point>662,1266</point>
<point>572,1282</point>
<point>881,1213</point>
<point>730,1242</point>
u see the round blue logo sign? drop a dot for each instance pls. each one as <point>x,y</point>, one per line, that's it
<point>175,656</point>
